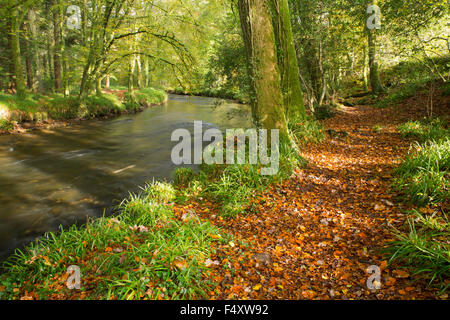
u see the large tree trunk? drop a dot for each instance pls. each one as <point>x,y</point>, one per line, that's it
<point>287,59</point>
<point>259,39</point>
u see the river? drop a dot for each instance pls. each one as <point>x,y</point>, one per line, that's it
<point>60,176</point>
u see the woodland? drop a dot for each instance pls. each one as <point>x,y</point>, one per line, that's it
<point>359,91</point>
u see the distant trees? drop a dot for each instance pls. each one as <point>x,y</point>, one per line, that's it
<point>46,51</point>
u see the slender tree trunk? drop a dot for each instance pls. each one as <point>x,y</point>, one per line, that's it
<point>146,72</point>
<point>28,63</point>
<point>131,65</point>
<point>50,54</point>
<point>375,81</point>
<point>37,62</point>
<point>57,50</point>
<point>365,70</point>
<point>15,51</point>
<point>259,39</point>
<point>108,81</point>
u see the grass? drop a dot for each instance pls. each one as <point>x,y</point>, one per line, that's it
<point>423,179</point>
<point>38,108</point>
<point>424,175</point>
<point>306,130</point>
<point>424,248</point>
<point>144,252</point>
<point>401,93</point>
<point>234,186</point>
<point>427,129</point>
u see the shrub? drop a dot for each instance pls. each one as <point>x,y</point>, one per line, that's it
<point>6,125</point>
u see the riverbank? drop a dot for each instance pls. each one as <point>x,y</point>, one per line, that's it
<point>218,94</point>
<point>21,114</point>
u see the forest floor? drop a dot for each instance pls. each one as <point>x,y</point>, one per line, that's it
<point>314,236</point>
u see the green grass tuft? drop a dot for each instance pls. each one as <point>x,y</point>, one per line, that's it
<point>424,175</point>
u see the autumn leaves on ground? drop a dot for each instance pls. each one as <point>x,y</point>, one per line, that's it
<point>312,235</point>
<point>315,235</point>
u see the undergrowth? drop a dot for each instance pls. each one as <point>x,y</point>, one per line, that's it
<point>423,180</point>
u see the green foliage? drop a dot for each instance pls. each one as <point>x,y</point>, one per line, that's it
<point>26,103</point>
<point>233,186</point>
<point>103,104</point>
<point>143,252</point>
<point>160,192</point>
<point>39,108</point>
<point>446,89</point>
<point>427,129</point>
<point>226,74</point>
<point>183,176</point>
<point>144,98</point>
<point>424,176</point>
<point>6,125</point>
<point>397,95</point>
<point>306,129</point>
<point>424,248</point>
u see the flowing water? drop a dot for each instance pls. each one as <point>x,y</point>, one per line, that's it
<point>58,177</point>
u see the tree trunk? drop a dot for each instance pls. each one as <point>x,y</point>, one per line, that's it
<point>108,81</point>
<point>15,51</point>
<point>146,72</point>
<point>287,59</point>
<point>38,85</point>
<point>98,86</point>
<point>57,51</point>
<point>375,82</point>
<point>365,71</point>
<point>259,39</point>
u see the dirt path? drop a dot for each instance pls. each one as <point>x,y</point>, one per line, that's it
<point>315,235</point>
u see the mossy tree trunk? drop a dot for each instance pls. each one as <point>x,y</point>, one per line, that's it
<point>374,74</point>
<point>287,59</point>
<point>267,98</point>
<point>365,71</point>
